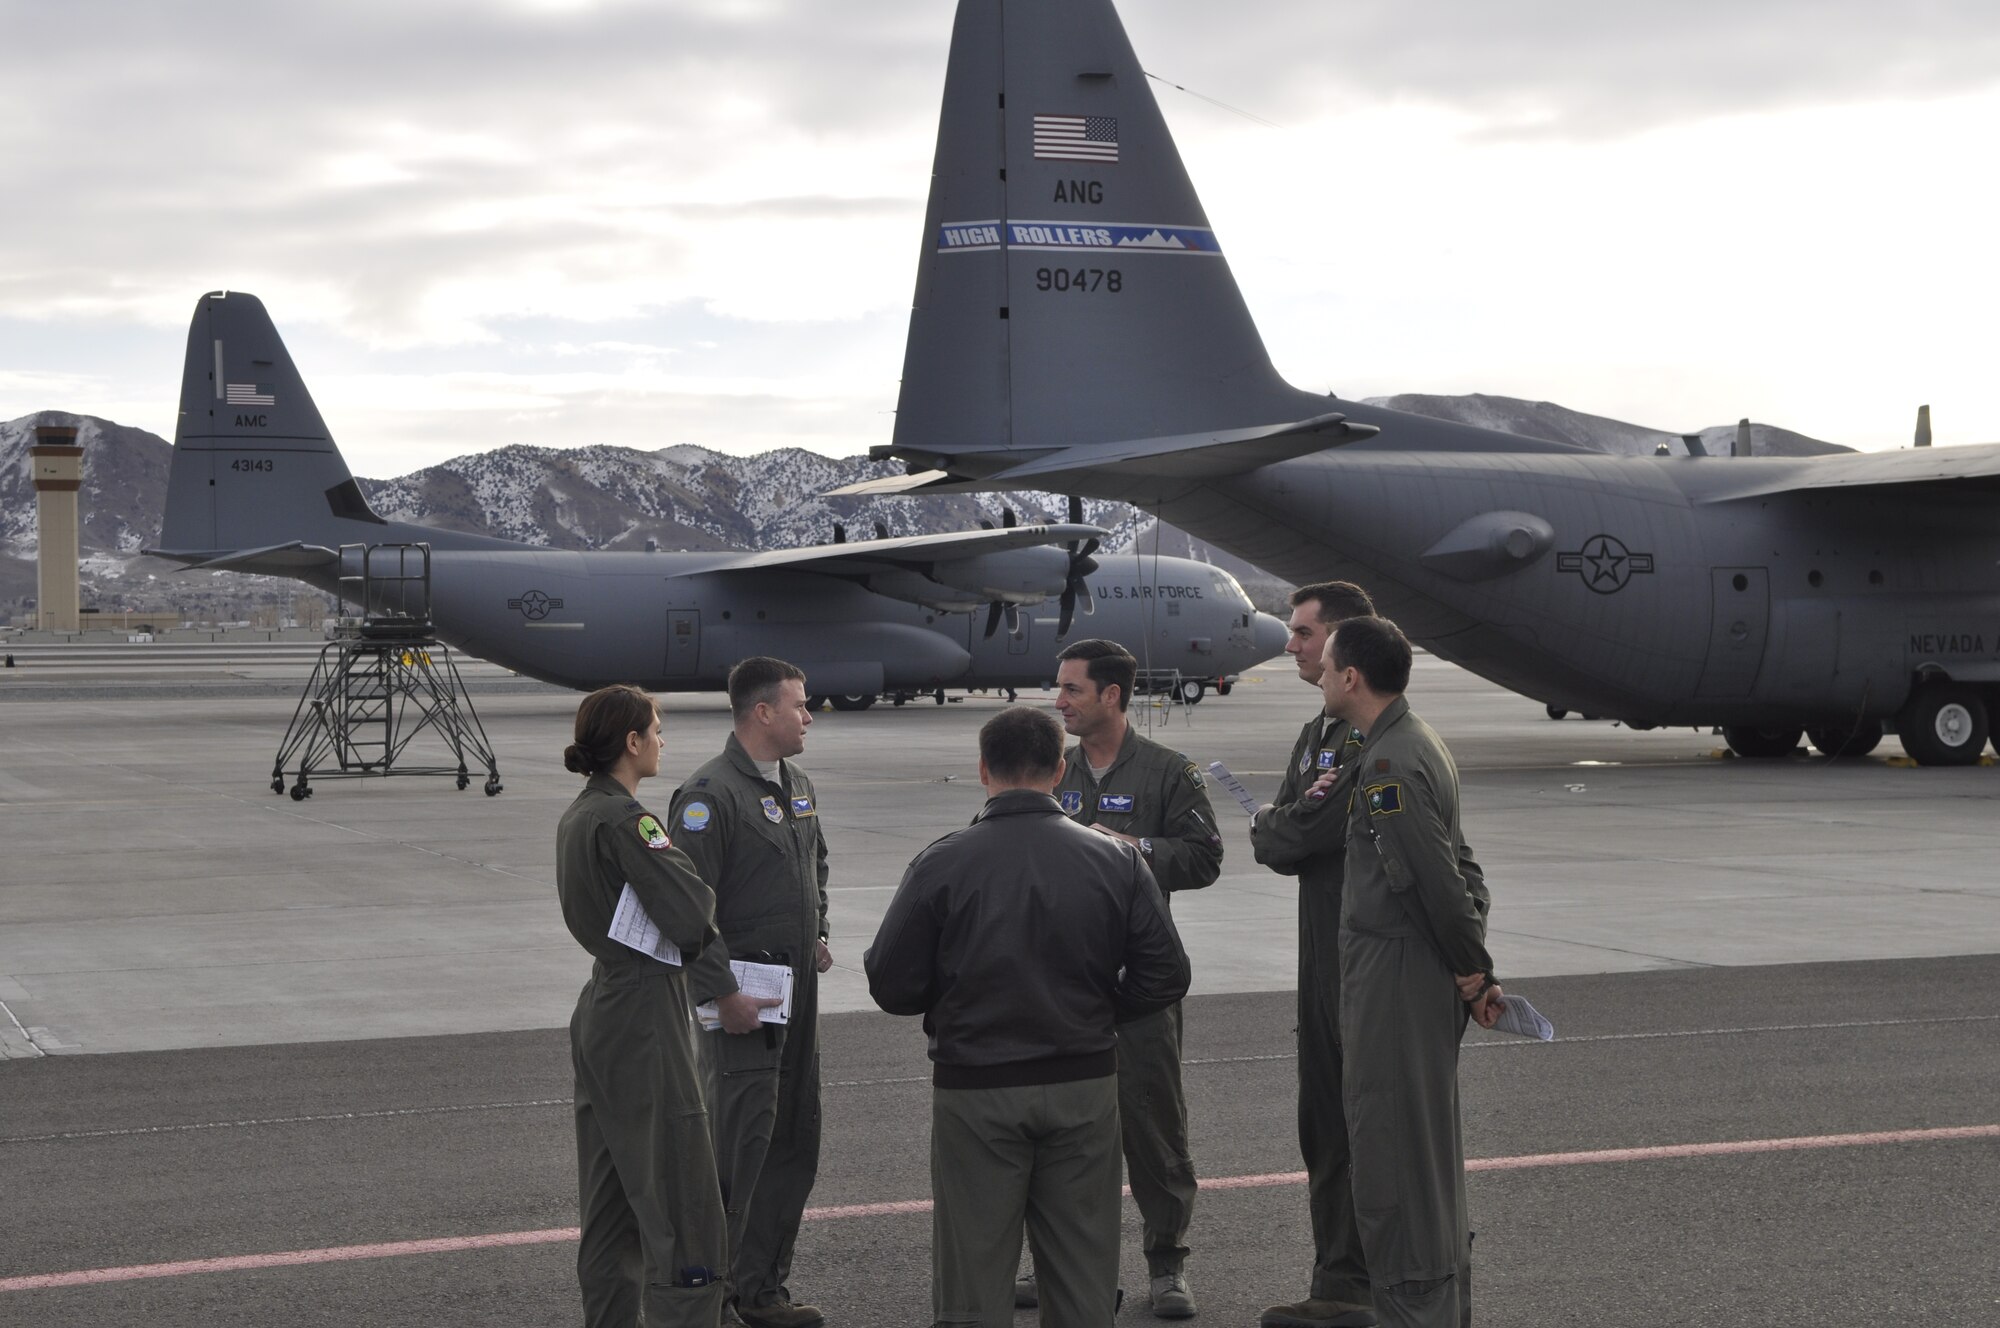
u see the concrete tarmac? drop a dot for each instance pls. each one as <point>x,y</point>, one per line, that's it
<point>338,1022</point>
<point>302,1152</point>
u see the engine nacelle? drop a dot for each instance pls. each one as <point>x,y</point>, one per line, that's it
<point>1015,576</point>
<point>912,588</point>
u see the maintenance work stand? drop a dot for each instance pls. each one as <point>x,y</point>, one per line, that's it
<point>381,683</point>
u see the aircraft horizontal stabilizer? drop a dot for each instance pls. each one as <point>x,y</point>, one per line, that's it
<point>1971,467</point>
<point>1192,458</point>
<point>272,560</point>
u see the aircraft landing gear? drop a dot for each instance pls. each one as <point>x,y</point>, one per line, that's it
<point>852,702</point>
<point>1761,744</point>
<point>1943,723</point>
<point>939,694</point>
<point>1846,741</point>
<point>1555,712</point>
<point>1191,691</point>
<point>1222,686</point>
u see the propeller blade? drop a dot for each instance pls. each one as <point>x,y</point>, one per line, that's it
<point>1068,610</point>
<point>1008,519</point>
<point>839,533</point>
<point>1075,510</point>
<point>993,612</point>
<point>1013,621</point>
<point>881,530</point>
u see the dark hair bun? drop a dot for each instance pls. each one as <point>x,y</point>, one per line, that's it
<point>576,760</point>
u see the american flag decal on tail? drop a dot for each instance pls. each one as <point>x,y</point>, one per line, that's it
<point>1076,138</point>
<point>249,394</point>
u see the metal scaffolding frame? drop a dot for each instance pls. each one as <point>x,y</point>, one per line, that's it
<point>382,682</point>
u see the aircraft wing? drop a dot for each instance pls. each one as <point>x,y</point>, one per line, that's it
<point>1971,467</point>
<point>272,559</point>
<point>909,551</point>
<point>1189,457</point>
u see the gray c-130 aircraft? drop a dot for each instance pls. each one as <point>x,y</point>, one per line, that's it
<point>257,485</point>
<point>1076,327</point>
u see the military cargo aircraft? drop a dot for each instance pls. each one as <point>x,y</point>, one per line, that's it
<point>1076,327</point>
<point>257,485</point>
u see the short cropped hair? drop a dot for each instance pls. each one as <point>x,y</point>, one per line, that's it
<point>1378,648</point>
<point>755,681</point>
<point>1021,744</point>
<point>1337,600</point>
<point>1107,664</point>
<point>603,721</point>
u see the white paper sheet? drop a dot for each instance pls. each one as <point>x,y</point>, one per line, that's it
<point>630,926</point>
<point>1235,787</point>
<point>759,980</point>
<point>1523,1020</point>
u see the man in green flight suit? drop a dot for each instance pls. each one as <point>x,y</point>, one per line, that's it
<point>750,822</point>
<point>1299,837</point>
<point>1152,797</point>
<point>1413,968</point>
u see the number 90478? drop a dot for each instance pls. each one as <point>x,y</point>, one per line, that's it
<point>1081,279</point>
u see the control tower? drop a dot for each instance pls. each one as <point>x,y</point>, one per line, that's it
<point>58,471</point>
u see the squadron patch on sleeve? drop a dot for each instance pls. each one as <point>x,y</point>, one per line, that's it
<point>653,833</point>
<point>1385,799</point>
<point>1194,774</point>
<point>695,817</point>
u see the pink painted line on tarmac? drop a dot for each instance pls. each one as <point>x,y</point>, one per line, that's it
<point>907,1207</point>
<point>286,1259</point>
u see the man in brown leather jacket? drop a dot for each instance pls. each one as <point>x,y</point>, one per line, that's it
<point>1022,940</point>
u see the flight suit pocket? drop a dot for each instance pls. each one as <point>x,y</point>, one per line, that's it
<point>748,1053</point>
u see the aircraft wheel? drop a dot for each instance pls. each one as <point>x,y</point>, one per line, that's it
<point>852,702</point>
<point>1840,740</point>
<point>1762,744</point>
<point>1191,691</point>
<point>1943,724</point>
<point>815,703</point>
<point>939,694</point>
<point>1556,712</point>
<point>1222,686</point>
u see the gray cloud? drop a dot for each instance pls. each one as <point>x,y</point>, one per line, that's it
<point>1579,68</point>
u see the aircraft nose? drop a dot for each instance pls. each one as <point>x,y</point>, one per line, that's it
<point>1271,635</point>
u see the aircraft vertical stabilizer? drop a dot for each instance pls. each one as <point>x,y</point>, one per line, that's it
<point>1070,288</point>
<point>253,462</point>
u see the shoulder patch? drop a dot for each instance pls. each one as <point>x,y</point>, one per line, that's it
<point>695,816</point>
<point>1194,774</point>
<point>1072,801</point>
<point>1385,799</point>
<point>653,832</point>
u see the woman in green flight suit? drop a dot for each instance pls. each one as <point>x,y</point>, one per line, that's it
<point>646,1179</point>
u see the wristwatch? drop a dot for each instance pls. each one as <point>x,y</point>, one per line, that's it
<point>1146,848</point>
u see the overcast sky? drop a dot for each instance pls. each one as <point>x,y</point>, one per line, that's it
<point>697,221</point>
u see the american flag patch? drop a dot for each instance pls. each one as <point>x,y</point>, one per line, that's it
<point>249,394</point>
<point>1076,137</point>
